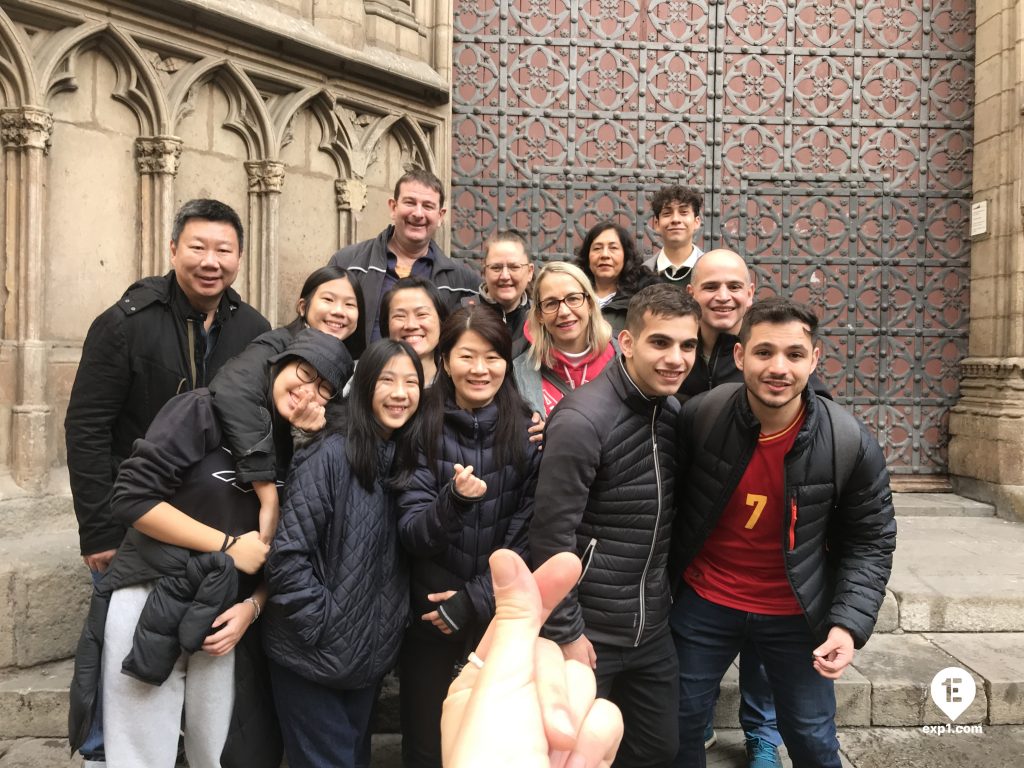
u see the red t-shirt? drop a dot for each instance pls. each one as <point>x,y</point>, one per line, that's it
<point>741,565</point>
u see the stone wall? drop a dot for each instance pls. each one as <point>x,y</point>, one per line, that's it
<point>986,452</point>
<point>299,113</point>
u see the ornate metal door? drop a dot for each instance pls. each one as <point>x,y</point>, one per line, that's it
<point>832,140</point>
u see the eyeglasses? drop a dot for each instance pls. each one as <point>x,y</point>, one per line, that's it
<point>307,375</point>
<point>513,269</point>
<point>571,300</point>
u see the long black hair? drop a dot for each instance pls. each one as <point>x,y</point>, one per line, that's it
<point>634,274</point>
<point>356,342</point>
<point>354,418</point>
<point>409,283</point>
<point>513,414</point>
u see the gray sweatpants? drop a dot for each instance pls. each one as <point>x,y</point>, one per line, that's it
<point>141,721</point>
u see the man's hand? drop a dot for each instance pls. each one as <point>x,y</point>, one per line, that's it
<point>536,430</point>
<point>833,656</point>
<point>466,484</point>
<point>434,617</point>
<point>309,415</point>
<point>580,650</point>
<point>100,561</point>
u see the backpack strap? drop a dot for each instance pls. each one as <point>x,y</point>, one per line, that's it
<point>845,444</point>
<point>712,406</point>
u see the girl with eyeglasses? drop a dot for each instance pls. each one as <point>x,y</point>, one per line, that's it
<point>329,302</point>
<point>611,261</point>
<point>167,630</point>
<point>572,342</point>
<point>472,493</point>
<point>339,589</point>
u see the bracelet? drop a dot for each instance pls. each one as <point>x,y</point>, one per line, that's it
<point>234,540</point>
<point>224,546</point>
<point>255,606</point>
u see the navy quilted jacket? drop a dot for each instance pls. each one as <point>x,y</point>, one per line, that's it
<point>451,538</point>
<point>338,584</point>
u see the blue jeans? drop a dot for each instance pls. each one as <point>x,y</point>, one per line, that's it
<point>322,727</point>
<point>757,709</point>
<point>92,747</point>
<point>708,637</point>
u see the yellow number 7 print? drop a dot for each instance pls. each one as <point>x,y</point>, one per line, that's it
<point>757,501</point>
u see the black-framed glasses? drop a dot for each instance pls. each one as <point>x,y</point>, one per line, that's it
<point>308,374</point>
<point>571,300</point>
<point>513,269</point>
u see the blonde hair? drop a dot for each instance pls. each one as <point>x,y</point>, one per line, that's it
<point>599,332</point>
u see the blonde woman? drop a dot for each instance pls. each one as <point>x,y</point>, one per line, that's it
<point>571,342</point>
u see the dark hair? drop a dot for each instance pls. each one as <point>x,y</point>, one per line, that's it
<point>504,236</point>
<point>405,284</point>
<point>778,310</point>
<point>634,274</point>
<point>354,418</point>
<point>676,194</point>
<point>207,210</point>
<point>661,300</point>
<point>513,415</point>
<point>420,176</point>
<point>356,341</point>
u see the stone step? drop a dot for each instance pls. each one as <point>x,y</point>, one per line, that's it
<point>44,596</point>
<point>34,701</point>
<point>940,505</point>
<point>957,574</point>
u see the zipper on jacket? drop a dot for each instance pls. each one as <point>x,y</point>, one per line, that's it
<point>792,522</point>
<point>654,535</point>
<point>586,559</point>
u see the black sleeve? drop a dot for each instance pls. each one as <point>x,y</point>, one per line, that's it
<point>569,464</point>
<point>183,432</point>
<point>98,395</point>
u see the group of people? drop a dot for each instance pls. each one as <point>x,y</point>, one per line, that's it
<point>275,519</point>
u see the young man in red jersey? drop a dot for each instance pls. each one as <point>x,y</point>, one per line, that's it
<point>770,546</point>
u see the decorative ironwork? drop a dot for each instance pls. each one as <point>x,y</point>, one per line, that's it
<point>831,138</point>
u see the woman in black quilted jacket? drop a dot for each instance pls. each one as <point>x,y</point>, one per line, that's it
<point>339,590</point>
<point>471,494</point>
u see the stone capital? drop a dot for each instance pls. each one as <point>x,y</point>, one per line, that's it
<point>265,175</point>
<point>26,127</point>
<point>158,154</point>
<point>350,194</point>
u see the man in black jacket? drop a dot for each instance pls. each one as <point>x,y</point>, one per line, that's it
<point>775,545</point>
<point>407,248</point>
<point>605,492</point>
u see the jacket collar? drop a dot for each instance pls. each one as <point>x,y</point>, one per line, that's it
<point>164,290</point>
<point>485,419</point>
<point>628,391</point>
<point>434,253</point>
<point>812,414</point>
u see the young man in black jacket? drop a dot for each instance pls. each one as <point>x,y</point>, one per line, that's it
<point>605,492</point>
<point>775,543</point>
<point>166,335</point>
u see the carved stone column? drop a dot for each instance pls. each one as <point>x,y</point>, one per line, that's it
<point>350,196</point>
<point>986,450</point>
<point>156,159</point>
<point>266,178</point>
<point>25,135</point>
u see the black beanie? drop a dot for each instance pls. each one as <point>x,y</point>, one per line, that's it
<point>324,352</point>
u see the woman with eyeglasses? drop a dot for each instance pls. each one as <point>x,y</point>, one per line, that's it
<point>339,585</point>
<point>572,343</point>
<point>471,494</point>
<point>167,630</point>
<point>329,302</point>
<point>611,261</point>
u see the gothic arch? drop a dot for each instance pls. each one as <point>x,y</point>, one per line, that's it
<point>335,139</point>
<point>247,112</point>
<point>415,146</point>
<point>136,86</point>
<point>17,77</point>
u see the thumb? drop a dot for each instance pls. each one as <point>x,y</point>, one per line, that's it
<point>825,648</point>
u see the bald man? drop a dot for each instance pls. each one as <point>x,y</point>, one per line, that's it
<point>722,285</point>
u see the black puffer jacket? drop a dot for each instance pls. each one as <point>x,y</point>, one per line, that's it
<point>838,556</point>
<point>190,591</point>
<point>451,538</point>
<point>608,476</point>
<point>337,577</point>
<point>137,355</point>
